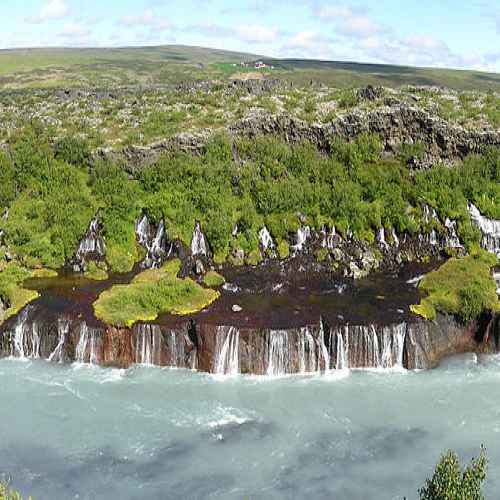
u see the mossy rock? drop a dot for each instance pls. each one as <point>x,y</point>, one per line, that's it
<point>151,293</point>
<point>96,272</point>
<point>322,254</point>
<point>213,279</point>
<point>44,273</point>
<point>283,249</point>
<point>253,258</point>
<point>463,287</point>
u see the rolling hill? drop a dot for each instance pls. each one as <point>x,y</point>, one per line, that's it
<point>163,65</point>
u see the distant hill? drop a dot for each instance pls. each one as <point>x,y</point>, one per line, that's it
<point>103,67</point>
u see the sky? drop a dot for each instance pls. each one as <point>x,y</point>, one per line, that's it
<point>441,33</point>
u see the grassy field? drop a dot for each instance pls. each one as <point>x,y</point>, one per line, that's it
<point>96,67</point>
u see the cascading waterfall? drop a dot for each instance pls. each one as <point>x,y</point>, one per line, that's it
<point>342,362</point>
<point>381,238</point>
<point>148,344</point>
<point>323,350</point>
<point>198,243</point>
<point>451,240</point>
<point>308,361</point>
<point>156,246</point>
<point>92,243</point>
<point>490,228</point>
<point>88,345</point>
<point>25,339</point>
<point>303,234</point>
<point>226,361</point>
<point>57,354</point>
<point>278,359</point>
<point>266,240</point>
<point>328,237</point>
<point>393,346</point>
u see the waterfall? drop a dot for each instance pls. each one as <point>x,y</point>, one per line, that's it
<point>278,353</point>
<point>198,243</point>
<point>328,240</point>
<point>226,361</point>
<point>433,239</point>
<point>266,240</point>
<point>303,234</point>
<point>156,247</point>
<point>92,243</point>
<point>381,237</point>
<point>342,362</point>
<point>88,345</point>
<point>25,340</point>
<point>451,240</point>
<point>306,347</point>
<point>496,277</point>
<point>393,346</point>
<point>57,354</point>
<point>395,238</point>
<point>490,228</point>
<point>148,344</point>
<point>323,350</point>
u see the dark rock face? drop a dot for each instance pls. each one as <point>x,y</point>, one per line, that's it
<point>231,350</point>
<point>396,124</point>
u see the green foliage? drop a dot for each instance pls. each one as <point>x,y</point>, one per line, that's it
<point>12,294</point>
<point>449,482</point>
<point>283,249</point>
<point>7,493</point>
<point>117,198</point>
<point>213,279</point>
<point>464,287</point>
<point>151,293</point>
<point>276,184</point>
<point>73,150</point>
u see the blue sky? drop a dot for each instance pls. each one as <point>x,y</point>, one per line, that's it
<point>446,33</point>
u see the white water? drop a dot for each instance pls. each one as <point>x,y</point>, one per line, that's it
<point>278,355</point>
<point>25,340</point>
<point>141,433</point>
<point>328,240</point>
<point>226,361</point>
<point>303,234</point>
<point>88,344</point>
<point>266,240</point>
<point>198,243</point>
<point>57,356</point>
<point>148,344</point>
<point>490,229</point>
<point>156,246</point>
<point>92,243</point>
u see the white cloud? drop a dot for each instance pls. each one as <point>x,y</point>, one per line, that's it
<point>256,33</point>
<point>350,22</point>
<point>51,9</point>
<point>146,19</point>
<point>74,30</point>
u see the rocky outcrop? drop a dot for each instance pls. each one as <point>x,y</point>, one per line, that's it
<point>396,125</point>
<point>226,349</point>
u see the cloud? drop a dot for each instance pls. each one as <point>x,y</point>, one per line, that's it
<point>74,30</point>
<point>146,19</point>
<point>51,9</point>
<point>256,33</point>
<point>349,21</point>
<point>253,33</point>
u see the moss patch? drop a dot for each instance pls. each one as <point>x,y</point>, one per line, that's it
<point>283,249</point>
<point>151,293</point>
<point>463,287</point>
<point>213,279</point>
<point>13,295</point>
<point>96,272</point>
<point>44,273</point>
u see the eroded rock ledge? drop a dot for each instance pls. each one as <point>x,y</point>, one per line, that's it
<point>397,124</point>
<point>226,349</point>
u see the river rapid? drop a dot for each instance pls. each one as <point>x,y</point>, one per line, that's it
<point>86,432</point>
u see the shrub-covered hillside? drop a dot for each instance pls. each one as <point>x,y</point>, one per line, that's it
<point>51,192</point>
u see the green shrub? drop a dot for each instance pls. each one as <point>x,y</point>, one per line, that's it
<point>6,493</point>
<point>449,482</point>
<point>464,287</point>
<point>73,150</point>
<point>213,279</point>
